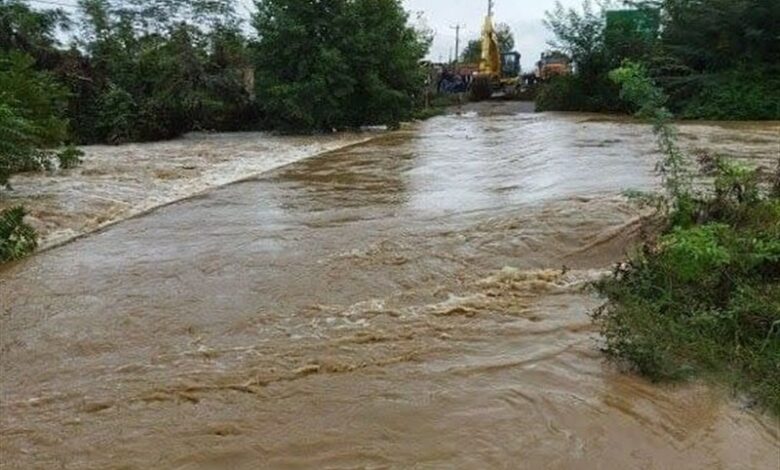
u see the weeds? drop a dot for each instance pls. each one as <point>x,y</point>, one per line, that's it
<point>70,157</point>
<point>17,239</point>
<point>701,299</point>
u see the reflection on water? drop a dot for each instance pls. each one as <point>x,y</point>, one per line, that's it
<point>394,304</point>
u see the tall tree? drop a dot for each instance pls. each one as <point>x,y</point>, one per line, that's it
<point>336,63</point>
<point>580,34</point>
<point>163,67</point>
<point>506,43</point>
<point>34,32</point>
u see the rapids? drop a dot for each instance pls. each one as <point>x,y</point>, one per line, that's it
<point>417,301</point>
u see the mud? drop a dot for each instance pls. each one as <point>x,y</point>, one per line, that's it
<point>418,301</point>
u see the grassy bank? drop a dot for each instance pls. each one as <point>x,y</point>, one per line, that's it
<point>701,297</point>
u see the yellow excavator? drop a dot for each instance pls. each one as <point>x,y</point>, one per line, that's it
<point>498,72</point>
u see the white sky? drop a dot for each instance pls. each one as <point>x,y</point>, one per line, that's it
<point>523,16</point>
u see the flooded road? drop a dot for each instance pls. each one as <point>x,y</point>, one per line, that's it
<point>417,301</point>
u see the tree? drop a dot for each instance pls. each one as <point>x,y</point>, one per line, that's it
<point>472,54</point>
<point>31,115</point>
<point>715,35</point>
<point>160,68</point>
<point>33,32</point>
<point>581,36</point>
<point>336,63</point>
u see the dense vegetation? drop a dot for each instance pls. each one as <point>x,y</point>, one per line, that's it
<point>716,59</point>
<point>337,63</point>
<point>154,69</point>
<point>702,298</point>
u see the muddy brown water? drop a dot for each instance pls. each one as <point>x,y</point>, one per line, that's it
<point>400,304</point>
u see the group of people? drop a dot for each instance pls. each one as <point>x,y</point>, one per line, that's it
<point>453,82</point>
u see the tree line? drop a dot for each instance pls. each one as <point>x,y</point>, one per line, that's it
<point>715,59</point>
<point>138,70</point>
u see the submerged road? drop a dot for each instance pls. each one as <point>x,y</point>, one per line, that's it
<point>399,304</point>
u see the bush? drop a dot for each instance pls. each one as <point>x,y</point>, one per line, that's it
<point>117,116</point>
<point>576,93</point>
<point>16,237</point>
<point>70,157</point>
<point>702,299</point>
<point>737,95</point>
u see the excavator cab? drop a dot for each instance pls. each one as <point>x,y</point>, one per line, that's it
<point>510,65</point>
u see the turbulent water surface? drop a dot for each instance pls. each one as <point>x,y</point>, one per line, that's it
<point>413,302</point>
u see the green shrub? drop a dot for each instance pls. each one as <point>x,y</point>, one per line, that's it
<point>116,116</point>
<point>735,95</point>
<point>69,157</point>
<point>16,237</point>
<point>694,253</point>
<point>701,299</point>
<point>576,93</point>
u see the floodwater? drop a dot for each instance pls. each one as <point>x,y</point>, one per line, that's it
<point>117,182</point>
<point>418,301</point>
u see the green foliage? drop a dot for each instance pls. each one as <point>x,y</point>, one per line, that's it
<point>117,115</point>
<point>716,59</point>
<point>161,68</point>
<point>23,29</point>
<point>703,301</point>
<point>710,36</point>
<point>69,157</point>
<point>31,106</point>
<point>35,95</point>
<point>637,89</point>
<point>703,298</point>
<point>336,63</point>
<point>16,237</point>
<point>694,253</point>
<point>582,35</point>
<point>737,95</point>
<point>577,93</point>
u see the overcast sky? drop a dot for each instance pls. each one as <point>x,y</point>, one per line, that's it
<point>524,16</point>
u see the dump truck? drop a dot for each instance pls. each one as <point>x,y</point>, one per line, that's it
<point>552,64</point>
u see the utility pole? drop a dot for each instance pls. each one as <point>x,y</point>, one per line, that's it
<point>457,28</point>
